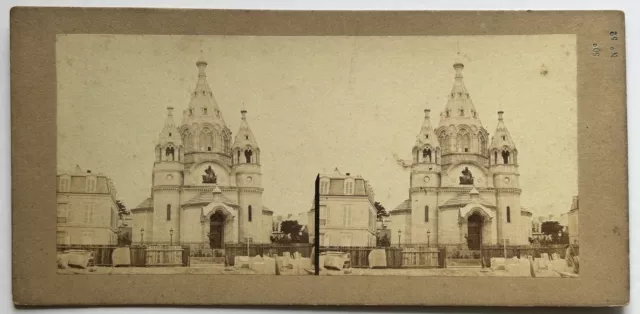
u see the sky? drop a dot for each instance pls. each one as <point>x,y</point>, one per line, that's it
<point>316,103</point>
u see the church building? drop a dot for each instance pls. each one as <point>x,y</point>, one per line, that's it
<point>464,185</point>
<point>206,188</point>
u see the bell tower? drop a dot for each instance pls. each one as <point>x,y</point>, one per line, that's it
<point>248,176</point>
<point>503,169</point>
<point>167,179</point>
<point>425,179</point>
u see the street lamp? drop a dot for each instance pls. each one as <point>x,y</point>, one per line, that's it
<point>171,236</point>
<point>399,233</point>
<point>428,236</point>
<point>142,235</point>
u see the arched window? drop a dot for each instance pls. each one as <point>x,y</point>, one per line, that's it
<point>466,143</point>
<point>206,140</point>
<point>426,155</point>
<point>247,155</point>
<point>170,153</point>
<point>238,161</point>
<point>495,157</point>
<point>508,214</point>
<point>426,214</point>
<point>169,212</point>
<point>225,139</point>
<point>505,156</point>
<point>188,141</point>
<point>250,213</point>
<point>482,144</point>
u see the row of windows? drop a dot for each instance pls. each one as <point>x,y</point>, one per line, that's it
<point>344,218</point>
<point>208,140</point>
<point>205,109</point>
<point>348,188</point>
<point>90,185</point>
<point>68,215</point>
<point>462,143</point>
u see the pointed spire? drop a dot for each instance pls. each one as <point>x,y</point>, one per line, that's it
<point>426,135</point>
<point>501,137</point>
<point>245,137</point>
<point>203,103</point>
<point>459,108</point>
<point>169,133</point>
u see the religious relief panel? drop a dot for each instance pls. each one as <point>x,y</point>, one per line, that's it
<point>210,176</point>
<point>467,177</point>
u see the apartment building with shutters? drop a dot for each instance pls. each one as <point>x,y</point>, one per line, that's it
<point>347,214</point>
<point>87,209</point>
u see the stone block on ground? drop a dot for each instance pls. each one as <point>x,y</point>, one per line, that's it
<point>63,260</point>
<point>269,266</point>
<point>121,256</point>
<point>79,258</point>
<point>524,268</point>
<point>335,260</point>
<point>540,263</point>
<point>297,255</point>
<point>257,267</point>
<point>241,262</point>
<point>497,263</point>
<point>559,265</point>
<point>377,258</point>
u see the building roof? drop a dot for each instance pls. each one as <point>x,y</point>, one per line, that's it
<point>169,133</point>
<point>202,96</point>
<point>244,137</point>
<point>501,137</point>
<point>575,204</point>
<point>426,135</point>
<point>405,206</point>
<point>464,199</point>
<point>208,197</point>
<point>459,99</point>
<point>146,204</point>
<point>267,210</point>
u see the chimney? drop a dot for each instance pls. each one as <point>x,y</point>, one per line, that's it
<point>348,174</point>
<point>88,171</point>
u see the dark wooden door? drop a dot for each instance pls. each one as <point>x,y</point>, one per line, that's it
<point>215,236</point>
<point>474,236</point>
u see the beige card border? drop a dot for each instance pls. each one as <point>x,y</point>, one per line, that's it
<point>602,146</point>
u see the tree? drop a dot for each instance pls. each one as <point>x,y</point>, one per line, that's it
<point>122,210</point>
<point>380,211</point>
<point>293,232</point>
<point>554,230</point>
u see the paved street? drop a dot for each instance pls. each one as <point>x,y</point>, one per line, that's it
<point>201,269</point>
<point>435,272</point>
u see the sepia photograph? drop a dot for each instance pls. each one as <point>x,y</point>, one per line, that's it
<point>436,155</point>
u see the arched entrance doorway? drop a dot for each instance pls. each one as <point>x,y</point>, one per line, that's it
<point>474,231</point>
<point>216,230</point>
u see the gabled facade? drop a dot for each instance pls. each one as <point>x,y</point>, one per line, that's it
<point>464,185</point>
<point>206,189</point>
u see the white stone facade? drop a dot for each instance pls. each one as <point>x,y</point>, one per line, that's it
<point>205,188</point>
<point>464,185</point>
